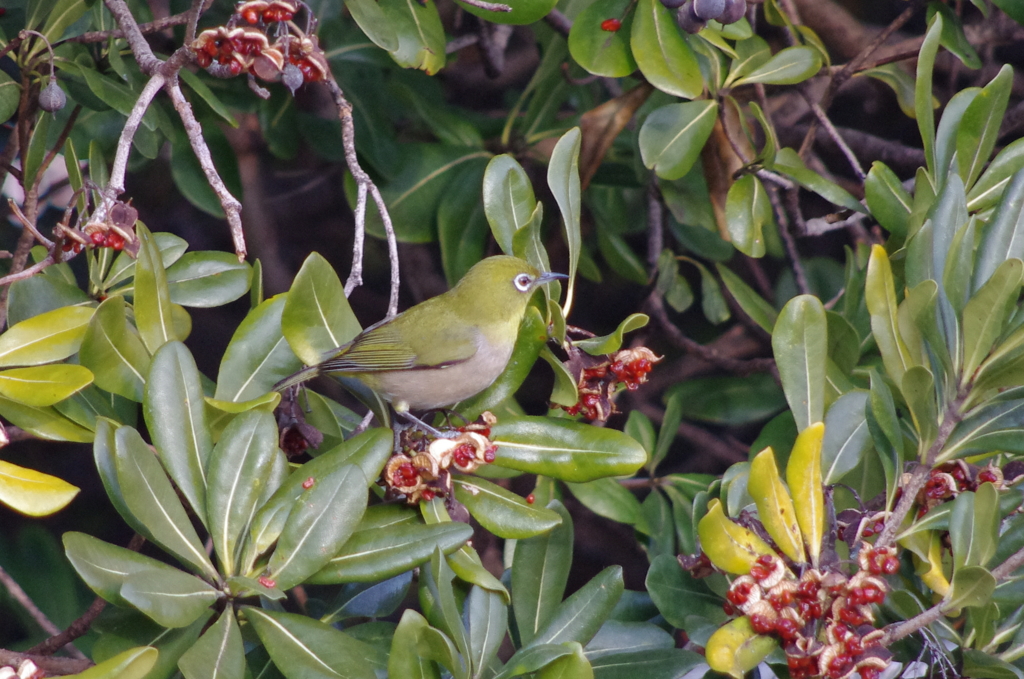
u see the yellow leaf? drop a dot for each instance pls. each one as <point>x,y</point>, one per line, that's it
<point>31,492</point>
<point>775,505</point>
<point>44,385</point>
<point>931,571</point>
<point>803,474</point>
<point>735,648</point>
<point>730,546</point>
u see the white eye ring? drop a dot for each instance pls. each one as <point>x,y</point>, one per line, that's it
<point>523,282</point>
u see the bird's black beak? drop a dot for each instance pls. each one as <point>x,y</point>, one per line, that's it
<point>547,277</point>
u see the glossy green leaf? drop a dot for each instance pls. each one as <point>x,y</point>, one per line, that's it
<point>421,40</point>
<point>10,95</point>
<point>532,658</point>
<point>134,663</point>
<point>789,66</point>
<point>989,188</point>
<point>153,503</point>
<point>206,94</point>
<point>258,356</point>
<point>901,82</point>
<point>609,344</point>
<point>508,199</point>
<point>923,89</point>
<point>443,611</point>
<point>33,493</point>
<point>672,136</point>
<point>729,400</point>
<point>1004,237</point>
<point>171,249</point>
<point>987,313</point>
<point>374,23</point>
<point>327,515</point>
<point>650,664</point>
<point>970,586</point>
<point>572,666</point>
<point>237,472</point>
<point>888,201</point>
<point>152,304</point>
<point>564,182</point>
<point>486,624</point>
<point>918,389</point>
<point>953,37</point>
<point>316,316</point>
<point>755,306</point>
<point>48,337</point>
<point>789,163</point>
<point>607,498</point>
<point>219,653</point>
<point>979,663</point>
<point>799,342</point>
<point>371,600</point>
<point>502,512</point>
<point>992,426</point>
<point>747,211</point>
<point>580,616</point>
<point>462,228</point>
<point>303,648</point>
<point>114,352</point>
<point>980,125</point>
<point>661,53</point>
<point>404,659</point>
<point>598,51</point>
<point>171,598</point>
<point>678,595</point>
<point>974,527</point>
<point>751,54</point>
<point>540,571</point>
<point>176,417</point>
<point>522,12</point>
<point>104,567</point>
<point>46,422</point>
<point>569,451</point>
<point>880,295</point>
<point>43,385</point>
<point>847,439</point>
<point>208,279</point>
<point>37,146</point>
<point>616,637</point>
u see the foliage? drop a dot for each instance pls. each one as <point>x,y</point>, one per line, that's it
<point>875,522</point>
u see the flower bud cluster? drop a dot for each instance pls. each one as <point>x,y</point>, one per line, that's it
<point>823,619</point>
<point>423,468</point>
<point>599,382</point>
<point>227,51</point>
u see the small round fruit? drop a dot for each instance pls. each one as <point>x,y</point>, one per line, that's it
<point>708,9</point>
<point>733,12</point>
<point>611,25</point>
<point>687,20</point>
<point>52,98</point>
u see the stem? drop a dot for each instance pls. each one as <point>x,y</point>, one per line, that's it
<point>19,595</point>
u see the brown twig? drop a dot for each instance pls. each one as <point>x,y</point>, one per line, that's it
<point>822,118</point>
<point>76,629</point>
<point>145,29</point>
<point>559,22</point>
<point>51,666</point>
<point>23,599</point>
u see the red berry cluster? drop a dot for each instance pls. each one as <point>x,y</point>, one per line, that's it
<point>824,620</point>
<point>952,478</point>
<point>422,469</point>
<point>598,382</point>
<point>231,50</point>
<point>107,239</point>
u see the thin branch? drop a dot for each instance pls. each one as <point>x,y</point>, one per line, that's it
<point>559,22</point>
<point>76,629</point>
<point>58,145</point>
<point>51,666</point>
<point>348,137</point>
<point>355,276</point>
<point>145,29</point>
<point>144,57</point>
<point>837,138</point>
<point>655,222</point>
<point>23,599</point>
<point>115,186</point>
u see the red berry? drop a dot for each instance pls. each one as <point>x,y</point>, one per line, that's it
<point>853,646</point>
<point>530,499</point>
<point>728,609</point>
<point>266,582</point>
<point>98,238</point>
<point>463,455</point>
<point>428,495</point>
<point>987,476</point>
<point>787,629</point>
<point>308,483</point>
<point>762,624</point>
<point>611,25</point>
<point>837,666</point>
<point>490,454</point>
<point>891,565</point>
<point>203,59</point>
<point>759,572</point>
<point>808,589</point>
<point>870,673</point>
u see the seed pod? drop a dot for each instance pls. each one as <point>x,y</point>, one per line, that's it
<point>687,20</point>
<point>52,98</point>
<point>708,9</point>
<point>292,77</point>
<point>733,12</point>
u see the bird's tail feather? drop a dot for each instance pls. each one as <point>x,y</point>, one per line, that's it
<point>301,376</point>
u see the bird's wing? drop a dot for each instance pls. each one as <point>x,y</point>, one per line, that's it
<point>395,346</point>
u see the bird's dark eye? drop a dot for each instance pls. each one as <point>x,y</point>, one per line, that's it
<point>523,282</point>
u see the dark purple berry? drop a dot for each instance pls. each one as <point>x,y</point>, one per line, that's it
<point>687,20</point>
<point>51,98</point>
<point>292,77</point>
<point>672,4</point>
<point>733,12</point>
<point>708,9</point>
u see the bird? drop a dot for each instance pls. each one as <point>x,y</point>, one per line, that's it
<point>445,349</point>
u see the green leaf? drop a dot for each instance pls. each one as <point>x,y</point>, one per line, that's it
<point>923,106</point>
<point>980,125</point>
<point>678,595</point>
<point>303,648</point>
<point>326,516</point>
<point>462,229</point>
<point>918,389</point>
<point>608,498</point>
<point>1004,237</point>
<point>953,37</point>
<point>171,249</point>
<point>63,15</point>
<point>211,99</point>
<point>372,600</point>
<point>572,666</point>
<point>974,527</point>
<point>176,418</point>
<point>404,659</point>
<point>369,16</point>
<point>443,612</point>
<point>152,304</point>
<point>531,659</point>
<point>800,345</point>
<point>316,316</point>
<point>258,356</point>
<point>114,351</point>
<point>880,295</point>
<point>219,653</point>
<point>888,201</point>
<point>508,199</point>
<point>486,625</point>
<point>31,492</point>
<point>33,157</point>
<point>579,617</point>
<point>421,41</point>
<point>48,337</point>
<point>609,344</point>
<point>208,279</point>
<point>104,567</point>
<point>788,162</point>
<point>789,66</point>
<point>45,422</point>
<point>728,400</point>
<point>987,313</point>
<point>616,637</point>
<point>620,256</point>
<point>134,663</point>
<point>989,188</point>
<point>668,663</point>
<point>971,586</point>
<point>847,439</point>
<point>569,451</point>
<point>43,385</point>
<point>672,136</point>
<point>169,597</point>
<point>237,470</point>
<point>755,306</point>
<point>564,182</point>
<point>526,12</point>
<point>10,95</point>
<point>661,53</point>
<point>751,54</point>
<point>500,511</point>
<point>901,82</point>
<point>540,571</point>
<point>601,52</point>
<point>152,502</point>
<point>747,211</point>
